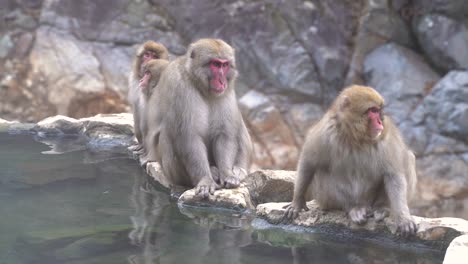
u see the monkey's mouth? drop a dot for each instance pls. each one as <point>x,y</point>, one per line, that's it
<point>218,85</point>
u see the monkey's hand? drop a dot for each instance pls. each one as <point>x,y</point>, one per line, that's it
<point>406,226</point>
<point>294,208</point>
<point>205,187</point>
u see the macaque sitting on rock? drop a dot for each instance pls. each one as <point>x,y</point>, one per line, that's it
<point>194,122</point>
<point>355,159</point>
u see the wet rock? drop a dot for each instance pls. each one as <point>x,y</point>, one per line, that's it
<point>436,233</point>
<point>100,130</point>
<point>14,126</point>
<point>235,199</point>
<point>271,185</point>
<point>401,76</point>
<point>443,41</point>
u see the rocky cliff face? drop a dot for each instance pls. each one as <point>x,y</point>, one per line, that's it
<point>72,58</point>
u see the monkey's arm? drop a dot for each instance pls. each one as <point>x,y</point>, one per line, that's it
<point>305,174</point>
<point>193,154</point>
<point>396,188</point>
<point>224,151</point>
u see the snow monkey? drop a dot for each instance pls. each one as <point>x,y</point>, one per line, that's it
<point>195,122</point>
<point>355,159</point>
<point>149,50</point>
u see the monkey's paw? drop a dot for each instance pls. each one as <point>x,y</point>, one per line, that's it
<point>406,227</point>
<point>293,209</point>
<point>227,179</point>
<point>205,187</point>
<point>358,215</point>
<point>229,182</point>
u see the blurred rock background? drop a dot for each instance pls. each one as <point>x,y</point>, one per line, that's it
<point>73,57</point>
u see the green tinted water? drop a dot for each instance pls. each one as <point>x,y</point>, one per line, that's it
<point>85,206</point>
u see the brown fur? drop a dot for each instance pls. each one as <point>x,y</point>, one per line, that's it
<point>343,168</point>
<point>191,128</point>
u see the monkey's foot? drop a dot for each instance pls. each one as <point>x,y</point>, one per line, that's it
<point>206,187</point>
<point>406,227</point>
<point>380,214</point>
<point>229,182</point>
<point>358,215</point>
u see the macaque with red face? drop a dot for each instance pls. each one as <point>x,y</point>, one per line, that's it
<point>195,123</point>
<point>148,51</point>
<point>355,159</point>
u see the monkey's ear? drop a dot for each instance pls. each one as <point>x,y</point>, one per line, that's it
<point>344,103</point>
<point>192,54</point>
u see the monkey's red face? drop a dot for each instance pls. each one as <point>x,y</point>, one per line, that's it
<point>219,69</point>
<point>375,122</point>
<point>148,55</point>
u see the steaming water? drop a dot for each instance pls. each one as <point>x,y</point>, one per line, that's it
<point>62,202</point>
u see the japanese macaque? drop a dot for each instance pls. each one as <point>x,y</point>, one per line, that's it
<point>151,74</point>
<point>355,159</point>
<point>195,123</point>
<point>148,51</point>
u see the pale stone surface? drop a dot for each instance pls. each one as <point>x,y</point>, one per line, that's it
<point>271,185</point>
<point>237,199</point>
<point>457,252</point>
<point>101,126</point>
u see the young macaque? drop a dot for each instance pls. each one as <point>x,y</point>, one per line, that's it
<point>195,123</point>
<point>148,51</point>
<point>355,159</point>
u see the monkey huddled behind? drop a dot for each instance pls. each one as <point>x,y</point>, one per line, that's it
<point>139,93</point>
<point>195,128</point>
<point>355,159</point>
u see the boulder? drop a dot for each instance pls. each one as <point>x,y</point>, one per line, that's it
<point>270,185</point>
<point>273,134</point>
<point>401,76</point>
<point>443,40</point>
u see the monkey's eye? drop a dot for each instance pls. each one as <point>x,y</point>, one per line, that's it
<point>226,64</point>
<point>374,110</point>
<point>216,64</point>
